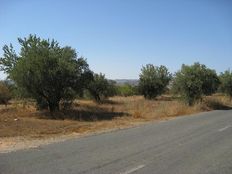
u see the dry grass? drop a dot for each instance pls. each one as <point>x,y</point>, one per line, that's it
<point>217,102</point>
<point>22,119</point>
<point>162,108</point>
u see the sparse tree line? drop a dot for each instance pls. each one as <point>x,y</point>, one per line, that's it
<point>191,82</point>
<point>54,76</point>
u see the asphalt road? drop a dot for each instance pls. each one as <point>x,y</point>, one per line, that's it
<point>197,144</point>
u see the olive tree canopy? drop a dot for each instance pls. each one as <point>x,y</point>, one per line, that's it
<point>48,72</point>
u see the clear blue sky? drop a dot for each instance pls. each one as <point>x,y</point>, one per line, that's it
<point>119,36</point>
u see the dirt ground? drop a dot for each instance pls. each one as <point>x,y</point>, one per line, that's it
<point>22,126</point>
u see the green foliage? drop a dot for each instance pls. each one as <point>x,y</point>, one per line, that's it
<point>112,90</point>
<point>210,80</point>
<point>5,94</point>
<point>226,83</point>
<point>127,90</point>
<point>192,82</point>
<point>16,91</point>
<point>9,59</point>
<point>153,80</point>
<point>101,88</point>
<point>47,72</point>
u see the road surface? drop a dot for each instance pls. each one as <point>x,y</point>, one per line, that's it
<point>198,144</point>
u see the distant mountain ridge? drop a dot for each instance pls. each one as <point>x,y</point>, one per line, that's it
<point>127,81</point>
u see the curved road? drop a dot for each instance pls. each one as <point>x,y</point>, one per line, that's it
<point>199,144</point>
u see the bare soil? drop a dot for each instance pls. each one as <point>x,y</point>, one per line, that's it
<point>22,126</point>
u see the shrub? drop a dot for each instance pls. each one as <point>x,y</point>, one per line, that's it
<point>127,90</point>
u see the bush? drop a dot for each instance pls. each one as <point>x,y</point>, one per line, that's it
<point>5,94</point>
<point>153,81</point>
<point>127,90</point>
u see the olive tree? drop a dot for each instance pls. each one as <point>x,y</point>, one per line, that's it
<point>100,88</point>
<point>153,80</point>
<point>194,81</point>
<point>48,72</point>
<point>226,83</point>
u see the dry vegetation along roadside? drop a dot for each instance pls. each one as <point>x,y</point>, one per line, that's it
<point>22,126</point>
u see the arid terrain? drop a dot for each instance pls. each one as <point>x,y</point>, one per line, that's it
<point>22,126</point>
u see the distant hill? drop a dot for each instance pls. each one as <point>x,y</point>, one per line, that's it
<point>127,81</point>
